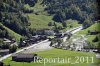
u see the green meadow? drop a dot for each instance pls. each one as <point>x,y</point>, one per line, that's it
<point>62,54</point>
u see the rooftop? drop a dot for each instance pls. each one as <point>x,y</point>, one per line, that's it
<point>24,55</point>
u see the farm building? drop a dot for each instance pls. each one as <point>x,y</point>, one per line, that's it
<point>49,32</point>
<point>43,37</point>
<point>21,57</point>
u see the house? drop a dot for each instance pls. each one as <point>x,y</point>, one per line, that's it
<point>34,39</point>
<point>43,37</point>
<point>4,52</point>
<point>7,41</point>
<point>49,32</point>
<point>23,43</point>
<point>59,35</point>
<point>21,57</point>
<point>13,40</point>
<point>38,38</point>
<point>15,43</point>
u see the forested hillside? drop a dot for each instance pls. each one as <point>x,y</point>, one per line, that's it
<point>14,14</point>
<point>72,9</point>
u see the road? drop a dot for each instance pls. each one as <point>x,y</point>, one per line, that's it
<point>6,56</point>
<point>43,45</point>
<point>77,29</point>
<point>74,30</point>
<point>39,47</point>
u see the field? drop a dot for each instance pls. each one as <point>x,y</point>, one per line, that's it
<point>93,27</point>
<point>39,19</point>
<point>55,53</point>
<point>41,22</point>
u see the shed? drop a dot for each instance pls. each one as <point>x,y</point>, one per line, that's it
<point>6,40</point>
<point>21,57</point>
<point>49,32</point>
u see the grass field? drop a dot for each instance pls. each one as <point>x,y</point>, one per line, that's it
<point>93,27</point>
<point>41,20</point>
<point>55,53</point>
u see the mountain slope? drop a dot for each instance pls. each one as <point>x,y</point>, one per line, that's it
<point>12,33</point>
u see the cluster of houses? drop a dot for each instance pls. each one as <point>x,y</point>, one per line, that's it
<point>38,38</point>
<point>33,40</point>
<point>21,57</point>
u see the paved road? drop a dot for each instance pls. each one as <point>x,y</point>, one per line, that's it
<point>77,29</point>
<point>74,30</point>
<point>39,47</point>
<point>6,56</point>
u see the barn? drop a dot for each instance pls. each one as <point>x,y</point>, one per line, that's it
<point>21,57</point>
